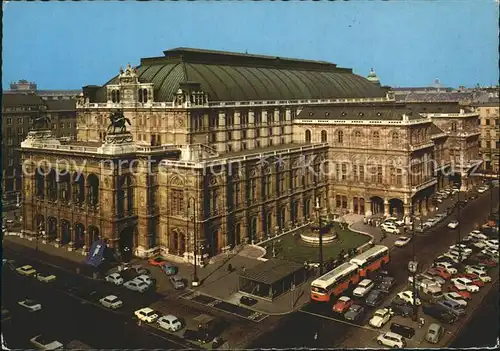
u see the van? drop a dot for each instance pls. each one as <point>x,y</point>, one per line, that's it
<point>403,330</point>
<point>453,307</point>
<point>425,285</point>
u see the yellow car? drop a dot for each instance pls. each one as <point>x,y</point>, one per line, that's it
<point>46,278</point>
<point>26,270</point>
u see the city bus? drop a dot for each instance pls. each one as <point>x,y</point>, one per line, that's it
<point>334,282</point>
<point>371,260</point>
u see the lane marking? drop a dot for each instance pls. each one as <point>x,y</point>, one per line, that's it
<point>338,320</point>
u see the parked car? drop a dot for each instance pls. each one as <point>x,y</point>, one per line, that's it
<point>31,305</point>
<point>452,307</point>
<point>477,234</point>
<point>169,269</point>
<point>46,278</point>
<point>448,267</point>
<point>439,272</point>
<point>490,252</point>
<point>177,282</point>
<point>408,297</point>
<point>434,278</point>
<point>453,296</point>
<point>475,278</point>
<point>391,229</point>
<point>486,260</point>
<point>111,301</point>
<point>453,225</point>
<point>248,301</point>
<point>451,261</point>
<point>26,270</point>
<point>354,313</point>
<point>434,333</point>
<point>403,330</point>
<point>342,304</point>
<point>145,279</point>
<point>157,261</point>
<point>492,243</point>
<point>400,307</point>
<point>439,312</point>
<point>476,269</point>
<point>136,286</point>
<point>461,291</point>
<point>363,288</point>
<point>374,298</point>
<point>146,314</point>
<point>464,282</point>
<point>391,339</point>
<point>170,323</point>
<point>114,278</point>
<point>386,284</point>
<point>461,247</point>
<point>42,343</point>
<point>402,241</point>
<point>380,318</point>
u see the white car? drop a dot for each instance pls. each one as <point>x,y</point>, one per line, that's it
<point>478,235</point>
<point>454,296</point>
<point>170,323</point>
<point>146,314</point>
<point>483,277</point>
<point>481,245</point>
<point>408,297</point>
<point>26,270</point>
<point>448,267</point>
<point>490,252</point>
<point>462,283</point>
<point>492,244</point>
<point>391,339</point>
<point>46,278</point>
<point>380,318</point>
<point>453,225</point>
<point>402,241</point>
<point>482,190</point>
<point>391,229</point>
<point>31,305</point>
<point>114,278</point>
<point>144,278</point>
<point>462,248</point>
<point>476,269</point>
<point>42,343</point>
<point>453,257</point>
<point>136,285</point>
<point>363,288</point>
<point>111,301</point>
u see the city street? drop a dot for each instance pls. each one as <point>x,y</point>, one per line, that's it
<point>300,328</point>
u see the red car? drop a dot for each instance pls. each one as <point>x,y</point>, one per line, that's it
<point>475,279</point>
<point>342,304</point>
<point>486,261</point>
<point>157,261</point>
<point>440,271</point>
<point>464,293</point>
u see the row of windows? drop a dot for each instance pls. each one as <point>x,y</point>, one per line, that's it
<point>339,136</point>
<point>213,121</point>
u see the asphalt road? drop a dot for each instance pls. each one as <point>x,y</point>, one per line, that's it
<point>299,328</point>
<point>69,313</point>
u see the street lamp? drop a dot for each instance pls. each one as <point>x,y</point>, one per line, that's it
<point>412,265</point>
<point>195,281</point>
<point>320,229</point>
<point>38,234</point>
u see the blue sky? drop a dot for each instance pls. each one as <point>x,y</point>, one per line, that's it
<point>62,45</point>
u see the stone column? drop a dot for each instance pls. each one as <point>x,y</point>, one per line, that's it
<point>368,208</point>
<point>407,209</point>
<point>423,205</point>
<point>386,208</point>
<point>221,130</point>
<point>464,182</point>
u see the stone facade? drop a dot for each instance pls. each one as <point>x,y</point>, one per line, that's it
<point>490,134</point>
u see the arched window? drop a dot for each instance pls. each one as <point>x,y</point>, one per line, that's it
<point>308,136</point>
<point>140,95</point>
<point>113,95</point>
<point>453,126</point>
<point>395,137</point>
<point>324,137</point>
<point>357,134</point>
<point>145,95</point>
<point>376,138</point>
<point>340,137</point>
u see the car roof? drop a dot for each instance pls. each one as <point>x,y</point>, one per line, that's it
<point>344,298</point>
<point>169,317</point>
<point>394,335</point>
<point>147,309</point>
<point>111,297</point>
<point>365,281</point>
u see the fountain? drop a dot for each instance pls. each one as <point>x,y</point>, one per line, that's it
<point>322,225</point>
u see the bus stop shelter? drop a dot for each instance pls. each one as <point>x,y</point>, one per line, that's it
<point>271,278</point>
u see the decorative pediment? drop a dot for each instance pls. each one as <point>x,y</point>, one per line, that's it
<point>177,181</point>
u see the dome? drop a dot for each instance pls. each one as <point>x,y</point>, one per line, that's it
<point>228,76</point>
<point>372,77</point>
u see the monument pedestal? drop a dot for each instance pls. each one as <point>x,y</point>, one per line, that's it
<point>42,136</point>
<point>120,143</point>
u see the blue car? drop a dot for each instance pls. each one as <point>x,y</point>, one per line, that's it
<point>169,269</point>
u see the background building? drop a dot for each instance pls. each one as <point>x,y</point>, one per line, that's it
<point>490,133</point>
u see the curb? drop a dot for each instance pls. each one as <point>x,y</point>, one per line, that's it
<point>369,243</point>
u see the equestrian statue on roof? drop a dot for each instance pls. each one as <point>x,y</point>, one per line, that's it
<point>118,121</point>
<point>41,122</point>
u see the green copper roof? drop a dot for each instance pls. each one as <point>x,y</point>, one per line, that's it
<point>242,77</point>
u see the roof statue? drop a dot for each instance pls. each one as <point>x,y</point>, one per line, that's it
<point>41,122</point>
<point>372,77</point>
<point>118,121</point>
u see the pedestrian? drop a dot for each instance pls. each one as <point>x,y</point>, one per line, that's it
<point>316,336</point>
<point>230,268</point>
<point>421,322</point>
<point>364,220</point>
